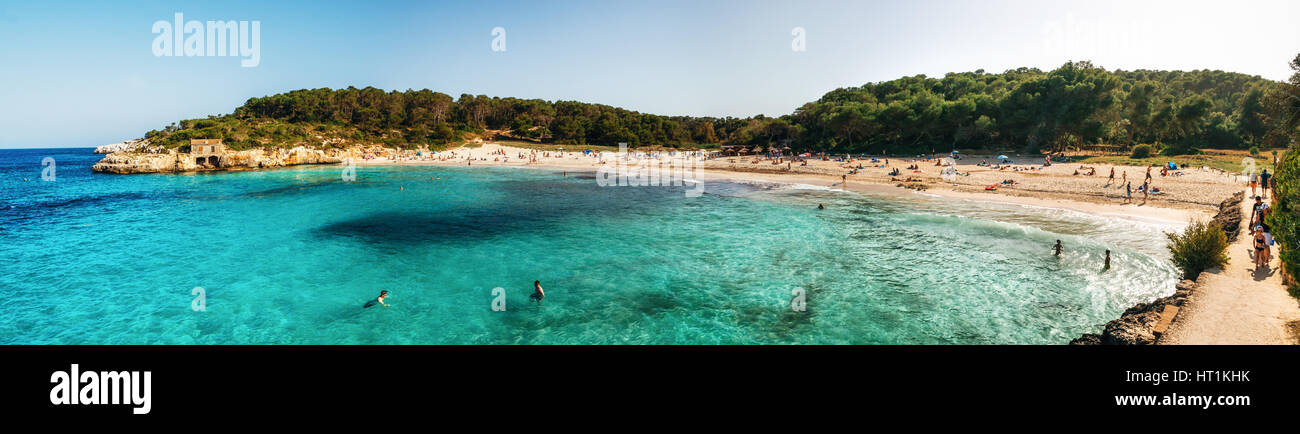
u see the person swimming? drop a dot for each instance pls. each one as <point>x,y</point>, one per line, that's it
<point>820,206</point>
<point>1107,266</point>
<point>537,294</point>
<point>1057,248</point>
<point>378,300</point>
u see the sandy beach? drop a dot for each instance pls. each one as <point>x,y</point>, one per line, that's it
<point>1190,195</point>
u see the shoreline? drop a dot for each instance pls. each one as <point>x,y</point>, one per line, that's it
<point>1155,212</point>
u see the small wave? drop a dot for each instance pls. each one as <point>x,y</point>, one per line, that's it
<point>810,187</point>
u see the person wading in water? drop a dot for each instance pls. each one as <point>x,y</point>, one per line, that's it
<point>537,294</point>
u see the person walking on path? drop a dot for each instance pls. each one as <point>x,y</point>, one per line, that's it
<point>1263,182</point>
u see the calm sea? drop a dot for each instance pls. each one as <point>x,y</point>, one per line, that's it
<point>289,256</point>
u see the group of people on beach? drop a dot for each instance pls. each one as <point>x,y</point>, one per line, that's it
<point>1147,189</point>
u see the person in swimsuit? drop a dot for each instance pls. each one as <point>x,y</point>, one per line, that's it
<point>537,294</point>
<point>378,300</point>
<point>1107,266</point>
<point>1057,248</point>
<point>1261,246</point>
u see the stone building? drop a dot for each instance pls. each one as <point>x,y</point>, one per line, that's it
<point>207,152</point>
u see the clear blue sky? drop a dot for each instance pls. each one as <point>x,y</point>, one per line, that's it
<point>83,73</point>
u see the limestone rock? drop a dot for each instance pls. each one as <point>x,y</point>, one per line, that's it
<point>1229,216</point>
<point>1137,325</point>
<point>171,160</point>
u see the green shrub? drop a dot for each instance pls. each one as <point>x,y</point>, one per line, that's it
<point>1254,151</point>
<point>1141,151</point>
<point>1201,246</point>
<point>1283,220</point>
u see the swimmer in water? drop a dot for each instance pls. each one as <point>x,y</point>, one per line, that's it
<point>537,294</point>
<point>1107,266</point>
<point>378,300</point>
<point>819,206</point>
<point>1057,248</point>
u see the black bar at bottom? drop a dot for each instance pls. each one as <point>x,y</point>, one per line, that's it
<point>285,381</point>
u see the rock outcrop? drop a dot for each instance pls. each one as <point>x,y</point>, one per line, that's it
<point>171,160</point>
<point>1137,325</point>
<point>1229,216</point>
<point>137,145</point>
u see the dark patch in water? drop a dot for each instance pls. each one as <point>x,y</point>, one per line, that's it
<point>655,303</point>
<point>40,210</point>
<point>404,227</point>
<point>526,206</point>
<point>290,189</point>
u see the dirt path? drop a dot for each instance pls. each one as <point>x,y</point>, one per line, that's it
<point>1238,305</point>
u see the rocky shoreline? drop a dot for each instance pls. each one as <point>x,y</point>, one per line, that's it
<point>1141,324</point>
<point>1137,326</point>
<point>137,156</point>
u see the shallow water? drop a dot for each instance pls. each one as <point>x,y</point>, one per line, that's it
<point>289,256</point>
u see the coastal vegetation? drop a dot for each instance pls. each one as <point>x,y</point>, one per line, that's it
<point>1072,107</point>
<point>1284,219</point>
<point>1201,246</point>
<point>1227,160</point>
<point>1141,151</point>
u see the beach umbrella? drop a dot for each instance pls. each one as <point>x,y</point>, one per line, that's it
<point>1002,157</point>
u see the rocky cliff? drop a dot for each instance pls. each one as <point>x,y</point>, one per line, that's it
<point>137,145</point>
<point>1137,326</point>
<point>141,160</point>
<point>1229,216</point>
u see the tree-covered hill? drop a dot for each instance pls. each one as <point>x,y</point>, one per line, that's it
<point>1026,108</point>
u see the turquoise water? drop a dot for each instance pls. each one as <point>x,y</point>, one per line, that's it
<point>289,256</point>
